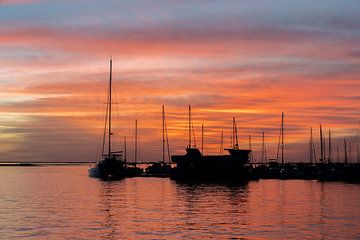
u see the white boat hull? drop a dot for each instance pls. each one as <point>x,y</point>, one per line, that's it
<point>94,171</point>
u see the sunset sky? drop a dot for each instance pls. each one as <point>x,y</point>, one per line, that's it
<point>248,59</point>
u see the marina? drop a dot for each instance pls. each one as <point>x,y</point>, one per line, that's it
<point>179,120</point>
<point>76,206</point>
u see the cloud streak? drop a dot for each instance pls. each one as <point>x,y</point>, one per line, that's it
<point>221,60</point>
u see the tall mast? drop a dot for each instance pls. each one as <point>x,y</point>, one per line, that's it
<point>189,126</point>
<point>234,139</point>
<point>282,138</point>
<point>329,155</point>
<point>233,133</point>
<point>236,136</point>
<point>250,148</point>
<point>110,107</point>
<point>311,146</point>
<point>202,138</point>
<point>125,153</point>
<point>345,153</point>
<point>163,134</point>
<point>321,146</point>
<point>136,139</point>
<point>221,143</point>
<point>263,148</point>
<point>314,151</point>
<point>324,145</point>
<point>167,138</point>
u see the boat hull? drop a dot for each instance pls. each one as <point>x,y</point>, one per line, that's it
<point>108,169</point>
<point>194,166</point>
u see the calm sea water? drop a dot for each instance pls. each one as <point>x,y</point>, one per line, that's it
<point>62,202</point>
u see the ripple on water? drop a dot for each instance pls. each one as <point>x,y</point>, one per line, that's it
<point>58,202</point>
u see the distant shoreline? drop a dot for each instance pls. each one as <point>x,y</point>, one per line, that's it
<point>36,164</point>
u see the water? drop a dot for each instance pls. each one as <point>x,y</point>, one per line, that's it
<point>61,202</point>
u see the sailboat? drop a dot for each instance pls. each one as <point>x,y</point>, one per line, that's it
<point>161,169</point>
<point>112,165</point>
<point>132,169</point>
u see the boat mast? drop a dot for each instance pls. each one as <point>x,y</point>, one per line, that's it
<point>250,148</point>
<point>202,138</point>
<point>110,107</point>
<point>233,133</point>
<point>125,153</point>
<point>282,138</point>
<point>234,139</point>
<point>329,155</point>
<point>167,139</point>
<point>189,127</point>
<point>322,146</point>
<point>163,134</point>
<point>263,148</point>
<point>311,146</point>
<point>345,153</point>
<point>221,143</point>
<point>136,139</point>
<point>236,136</point>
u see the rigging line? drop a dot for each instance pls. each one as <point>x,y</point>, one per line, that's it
<point>193,132</point>
<point>117,104</point>
<point>236,136</point>
<point>100,140</point>
<point>221,143</point>
<point>167,140</point>
<point>138,160</point>
<point>278,147</point>
<point>106,119</point>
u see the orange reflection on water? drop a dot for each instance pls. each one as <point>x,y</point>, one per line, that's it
<point>63,202</point>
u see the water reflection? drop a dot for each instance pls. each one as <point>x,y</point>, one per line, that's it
<point>63,203</point>
<point>207,208</point>
<point>107,189</point>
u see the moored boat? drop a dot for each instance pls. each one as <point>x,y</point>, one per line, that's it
<point>196,166</point>
<point>112,166</point>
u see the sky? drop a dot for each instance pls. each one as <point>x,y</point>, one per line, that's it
<point>251,60</point>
